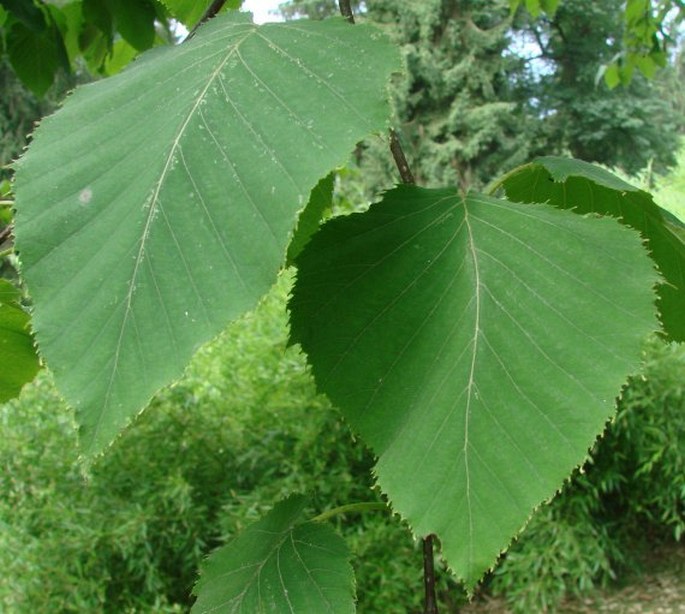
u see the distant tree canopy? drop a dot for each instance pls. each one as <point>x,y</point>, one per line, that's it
<point>629,126</point>
<point>488,89</point>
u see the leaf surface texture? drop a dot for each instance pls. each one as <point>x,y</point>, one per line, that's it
<point>279,564</point>
<point>157,205</point>
<point>477,345</point>
<point>574,184</point>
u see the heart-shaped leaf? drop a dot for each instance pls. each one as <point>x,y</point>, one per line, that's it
<point>157,205</point>
<point>279,564</point>
<point>478,346</point>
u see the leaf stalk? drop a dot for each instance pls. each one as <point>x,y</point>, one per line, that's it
<point>364,506</point>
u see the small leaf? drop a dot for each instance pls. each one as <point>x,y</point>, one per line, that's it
<point>611,76</point>
<point>135,21</point>
<point>17,353</point>
<point>121,56</point>
<point>187,12</point>
<point>573,184</point>
<point>157,205</point>
<point>320,201</point>
<point>477,345</point>
<point>279,564</point>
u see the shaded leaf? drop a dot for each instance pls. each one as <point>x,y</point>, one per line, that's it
<point>279,564</point>
<point>573,184</point>
<point>157,205</point>
<point>35,56</point>
<point>135,21</point>
<point>477,345</point>
<point>17,354</point>
<point>27,13</point>
<point>320,201</point>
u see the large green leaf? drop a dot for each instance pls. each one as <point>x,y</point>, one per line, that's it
<point>279,564</point>
<point>17,354</point>
<point>157,205</point>
<point>573,184</point>
<point>477,345</point>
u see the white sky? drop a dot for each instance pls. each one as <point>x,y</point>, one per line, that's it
<point>262,9</point>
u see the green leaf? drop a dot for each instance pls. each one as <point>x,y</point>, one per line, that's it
<point>320,201</point>
<point>122,55</point>
<point>8,293</point>
<point>157,205</point>
<point>533,7</point>
<point>27,13</point>
<point>550,6</point>
<point>135,21</point>
<point>279,565</point>
<point>612,76</point>
<point>187,12</point>
<point>573,184</point>
<point>477,345</point>
<point>17,354</point>
<point>35,57</point>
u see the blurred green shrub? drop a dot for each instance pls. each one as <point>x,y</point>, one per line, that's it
<point>243,428</point>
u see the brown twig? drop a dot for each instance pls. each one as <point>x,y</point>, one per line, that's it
<point>346,10</point>
<point>400,159</point>
<point>431,602</point>
<point>5,233</point>
<point>211,11</point>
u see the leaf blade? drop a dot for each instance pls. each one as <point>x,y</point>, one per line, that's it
<point>279,564</point>
<point>205,154</point>
<point>574,184</point>
<point>476,354</point>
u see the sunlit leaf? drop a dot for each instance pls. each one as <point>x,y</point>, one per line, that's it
<point>157,205</point>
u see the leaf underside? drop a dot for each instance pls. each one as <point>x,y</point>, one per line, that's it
<point>157,205</point>
<point>573,184</point>
<point>477,345</point>
<point>279,564</point>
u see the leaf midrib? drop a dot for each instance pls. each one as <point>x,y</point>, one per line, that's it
<point>470,384</point>
<point>154,205</point>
